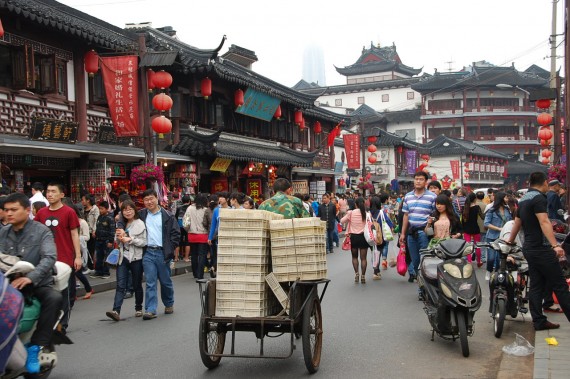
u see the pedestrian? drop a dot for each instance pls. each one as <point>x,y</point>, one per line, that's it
<point>91,214</point>
<point>248,203</point>
<point>495,218</point>
<point>472,213</point>
<point>197,221</point>
<point>417,207</point>
<point>83,238</point>
<point>435,187</point>
<point>104,238</point>
<point>34,243</point>
<point>553,201</point>
<point>237,199</point>
<point>481,221</point>
<point>541,250</point>
<point>459,201</point>
<point>342,208</point>
<point>163,235</point>
<point>282,202</point>
<point>64,224</point>
<point>217,202</point>
<point>132,239</point>
<point>327,213</point>
<point>120,224</point>
<point>444,221</point>
<point>37,196</point>
<point>184,245</point>
<point>3,221</point>
<point>356,220</point>
<point>377,205</point>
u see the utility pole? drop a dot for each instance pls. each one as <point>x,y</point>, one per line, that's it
<point>567,88</point>
<point>554,83</point>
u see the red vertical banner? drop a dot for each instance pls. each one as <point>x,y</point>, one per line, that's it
<point>352,150</point>
<point>121,87</point>
<point>253,189</point>
<point>454,169</point>
<point>219,185</point>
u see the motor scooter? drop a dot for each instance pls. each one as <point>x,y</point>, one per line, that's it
<point>450,290</point>
<point>16,361</point>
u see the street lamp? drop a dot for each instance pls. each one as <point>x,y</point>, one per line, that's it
<point>506,86</point>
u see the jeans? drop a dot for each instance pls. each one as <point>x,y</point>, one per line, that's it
<point>214,253</point>
<point>200,252</point>
<point>414,246</point>
<point>544,270</point>
<point>493,258</point>
<point>125,271</point>
<point>385,250</point>
<point>101,252</point>
<point>335,234</point>
<point>50,301</point>
<point>155,267</point>
<point>330,239</point>
<point>83,279</point>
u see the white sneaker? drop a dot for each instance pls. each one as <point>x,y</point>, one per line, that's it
<point>487,275</point>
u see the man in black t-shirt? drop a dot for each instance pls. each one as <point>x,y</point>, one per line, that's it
<point>541,251</point>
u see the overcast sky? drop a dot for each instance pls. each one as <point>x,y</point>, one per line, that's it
<point>427,34</point>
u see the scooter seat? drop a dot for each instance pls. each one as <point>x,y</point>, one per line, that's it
<point>429,267</point>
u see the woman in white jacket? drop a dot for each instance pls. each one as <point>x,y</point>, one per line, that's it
<point>197,220</point>
<point>131,242</point>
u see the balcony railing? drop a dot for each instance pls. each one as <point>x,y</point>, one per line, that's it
<point>472,109</point>
<point>19,108</point>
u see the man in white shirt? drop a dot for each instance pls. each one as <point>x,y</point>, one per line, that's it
<point>37,195</point>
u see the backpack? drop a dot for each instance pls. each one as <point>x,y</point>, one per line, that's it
<point>378,227</point>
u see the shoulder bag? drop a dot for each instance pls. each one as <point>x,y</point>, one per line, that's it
<point>369,232</point>
<point>346,245</point>
<point>386,231</point>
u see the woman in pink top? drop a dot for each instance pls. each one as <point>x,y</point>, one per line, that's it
<point>356,223</point>
<point>342,208</point>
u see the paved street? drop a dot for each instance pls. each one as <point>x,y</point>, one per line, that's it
<point>376,330</point>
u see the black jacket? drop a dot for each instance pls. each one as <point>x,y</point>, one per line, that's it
<point>170,232</point>
<point>105,229</point>
<point>328,213</point>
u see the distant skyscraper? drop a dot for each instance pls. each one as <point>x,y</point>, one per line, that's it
<point>314,65</point>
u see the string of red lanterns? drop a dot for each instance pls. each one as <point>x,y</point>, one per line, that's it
<point>150,80</point>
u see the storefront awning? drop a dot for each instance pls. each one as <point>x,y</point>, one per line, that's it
<point>314,171</point>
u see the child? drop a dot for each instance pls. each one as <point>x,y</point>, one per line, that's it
<point>104,237</point>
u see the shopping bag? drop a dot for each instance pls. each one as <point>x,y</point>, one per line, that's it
<point>113,257</point>
<point>346,243</point>
<point>402,267</point>
<point>388,235</point>
<point>369,232</point>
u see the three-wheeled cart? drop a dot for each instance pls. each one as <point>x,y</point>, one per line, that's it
<point>302,319</point>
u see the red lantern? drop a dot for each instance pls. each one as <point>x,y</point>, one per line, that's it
<point>162,79</point>
<point>545,161</point>
<point>206,87</point>
<point>238,98</point>
<point>150,80</point>
<point>302,124</point>
<point>298,117</point>
<point>545,133</point>
<point>162,102</point>
<point>372,148</point>
<point>544,119</point>
<point>400,149</point>
<point>91,62</point>
<point>372,158</point>
<point>1,30</point>
<point>544,142</point>
<point>277,113</point>
<point>318,129</point>
<point>543,103</point>
<point>372,139</point>
<point>546,153</point>
<point>425,157</point>
<point>161,125</point>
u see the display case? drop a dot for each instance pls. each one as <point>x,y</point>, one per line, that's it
<point>87,181</point>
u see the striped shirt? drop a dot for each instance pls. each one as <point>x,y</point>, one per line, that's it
<point>419,208</point>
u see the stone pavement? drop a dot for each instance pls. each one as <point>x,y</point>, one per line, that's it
<point>553,362</point>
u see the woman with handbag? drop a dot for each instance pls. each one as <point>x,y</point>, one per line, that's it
<point>357,223</point>
<point>131,242</point>
<point>444,223</point>
<point>380,216</point>
<point>495,218</point>
<point>470,221</point>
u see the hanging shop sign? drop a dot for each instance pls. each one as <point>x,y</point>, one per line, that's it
<point>121,87</point>
<point>221,164</point>
<point>219,185</point>
<point>116,170</point>
<point>107,136</point>
<point>411,160</point>
<point>352,150</point>
<point>258,105</point>
<point>53,130</point>
<point>253,189</point>
<point>300,186</point>
<point>454,169</point>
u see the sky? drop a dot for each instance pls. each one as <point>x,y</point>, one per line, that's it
<point>427,34</point>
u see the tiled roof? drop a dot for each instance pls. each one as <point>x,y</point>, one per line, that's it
<point>403,116</point>
<point>365,87</point>
<point>365,113</point>
<point>478,77</point>
<point>519,167</point>
<point>195,143</point>
<point>390,139</point>
<point>53,14</point>
<point>436,147</point>
<point>383,59</point>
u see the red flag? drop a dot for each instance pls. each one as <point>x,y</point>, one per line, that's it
<point>121,87</point>
<point>333,134</point>
<point>352,150</point>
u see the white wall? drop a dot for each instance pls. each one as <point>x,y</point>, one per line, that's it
<point>397,99</point>
<point>415,125</point>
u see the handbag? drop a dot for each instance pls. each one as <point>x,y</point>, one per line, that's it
<point>113,257</point>
<point>401,265</point>
<point>369,232</point>
<point>378,228</point>
<point>346,245</point>
<point>386,231</point>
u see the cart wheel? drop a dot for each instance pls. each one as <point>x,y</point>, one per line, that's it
<point>211,341</point>
<point>312,334</point>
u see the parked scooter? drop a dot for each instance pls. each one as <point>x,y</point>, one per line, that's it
<point>450,290</point>
<point>16,362</point>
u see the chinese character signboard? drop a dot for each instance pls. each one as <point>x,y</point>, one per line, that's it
<point>352,150</point>
<point>121,88</point>
<point>219,185</point>
<point>220,164</point>
<point>107,136</point>
<point>116,170</point>
<point>454,169</point>
<point>300,186</point>
<point>258,105</point>
<point>253,189</point>
<point>53,130</point>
